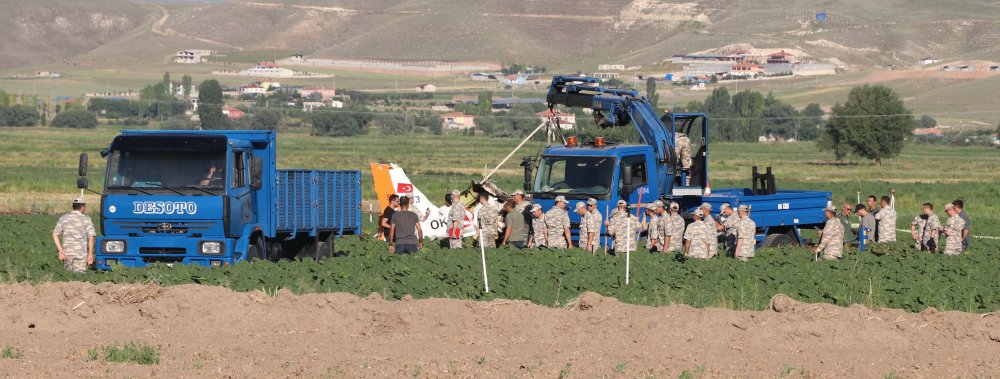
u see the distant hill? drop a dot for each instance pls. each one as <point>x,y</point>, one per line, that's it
<point>564,34</point>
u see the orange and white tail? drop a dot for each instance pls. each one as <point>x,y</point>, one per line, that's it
<point>390,179</point>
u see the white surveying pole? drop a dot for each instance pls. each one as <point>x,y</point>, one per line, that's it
<point>628,246</point>
<point>482,252</point>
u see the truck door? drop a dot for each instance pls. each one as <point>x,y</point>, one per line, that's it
<point>241,211</point>
<point>640,179</point>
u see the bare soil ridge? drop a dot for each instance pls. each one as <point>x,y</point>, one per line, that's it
<point>206,331</point>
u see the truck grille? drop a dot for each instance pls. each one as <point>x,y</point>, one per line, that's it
<point>163,250</point>
<point>163,227</point>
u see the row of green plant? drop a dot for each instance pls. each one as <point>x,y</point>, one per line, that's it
<point>129,352</point>
<point>889,276</point>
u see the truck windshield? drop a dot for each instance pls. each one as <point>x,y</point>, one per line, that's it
<point>181,172</point>
<point>573,177</point>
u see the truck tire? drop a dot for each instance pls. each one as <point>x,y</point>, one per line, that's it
<point>778,240</point>
<point>255,252</point>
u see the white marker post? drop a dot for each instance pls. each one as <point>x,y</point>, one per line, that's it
<point>482,251</point>
<point>628,246</point>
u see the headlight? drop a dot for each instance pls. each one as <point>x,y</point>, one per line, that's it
<point>211,247</point>
<point>113,246</point>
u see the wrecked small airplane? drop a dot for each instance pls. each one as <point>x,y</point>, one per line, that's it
<point>390,179</point>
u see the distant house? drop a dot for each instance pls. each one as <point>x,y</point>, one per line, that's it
<point>426,88</point>
<point>781,58</point>
<point>326,93</point>
<point>929,61</point>
<point>566,120</point>
<point>309,106</point>
<point>746,69</point>
<point>336,104</point>
<point>252,89</point>
<point>513,80</point>
<point>699,86</point>
<point>268,69</point>
<point>298,57</point>
<point>611,67</point>
<point>192,56</point>
<point>995,139</point>
<point>232,113</point>
<point>607,75</point>
<point>458,120</point>
<point>928,132</point>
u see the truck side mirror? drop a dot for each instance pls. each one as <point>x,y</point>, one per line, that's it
<point>257,173</point>
<point>83,165</point>
<point>627,179</point>
<point>82,183</point>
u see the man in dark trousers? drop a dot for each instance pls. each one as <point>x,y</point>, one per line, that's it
<point>405,235</point>
<point>383,220</point>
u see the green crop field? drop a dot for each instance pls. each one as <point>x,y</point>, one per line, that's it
<point>37,175</point>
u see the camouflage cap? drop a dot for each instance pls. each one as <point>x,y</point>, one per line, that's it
<point>706,205</point>
<point>949,206</point>
<point>698,212</point>
<point>517,192</point>
<point>651,206</point>
<point>536,207</point>
<point>724,206</point>
<point>79,200</point>
<point>580,205</point>
<point>744,208</point>
<point>674,206</point>
<point>658,203</point>
<point>591,201</point>
<point>831,208</point>
<point>622,202</point>
<point>561,198</point>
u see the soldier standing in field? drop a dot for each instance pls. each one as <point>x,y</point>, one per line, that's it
<point>917,230</point>
<point>673,225</point>
<point>557,225</point>
<point>953,229</point>
<point>538,236</point>
<point>730,221</point>
<point>516,229</point>
<point>696,237</point>
<point>831,244</point>
<point>456,215</point>
<point>845,220</point>
<point>612,220</point>
<point>929,230</point>
<point>886,218</point>
<point>76,250</point>
<point>594,220</point>
<point>581,209</point>
<point>626,230</point>
<point>746,232</point>
<point>649,225</point>
<point>960,210</point>
<point>712,228</point>
<point>489,219</point>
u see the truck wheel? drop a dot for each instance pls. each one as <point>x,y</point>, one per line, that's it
<point>325,251</point>
<point>778,240</point>
<point>255,252</point>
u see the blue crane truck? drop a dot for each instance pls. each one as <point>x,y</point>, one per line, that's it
<point>216,198</point>
<point>652,171</point>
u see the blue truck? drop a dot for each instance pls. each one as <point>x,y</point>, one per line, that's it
<point>652,171</point>
<point>216,198</point>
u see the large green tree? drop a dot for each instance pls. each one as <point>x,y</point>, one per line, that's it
<point>872,124</point>
<point>210,105</point>
<point>652,95</point>
<point>75,118</point>
<point>485,107</point>
<point>186,82</point>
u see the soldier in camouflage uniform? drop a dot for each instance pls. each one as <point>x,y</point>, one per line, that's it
<point>696,237</point>
<point>651,225</point>
<point>682,147</point>
<point>593,221</point>
<point>917,231</point>
<point>832,241</point>
<point>581,209</point>
<point>613,218</point>
<point>626,230</point>
<point>489,219</point>
<point>745,234</point>
<point>729,220</point>
<point>929,233</point>
<point>456,217</point>
<point>537,238</point>
<point>953,229</point>
<point>712,230</point>
<point>557,225</point>
<point>673,230</point>
<point>76,250</point>
<point>886,222</point>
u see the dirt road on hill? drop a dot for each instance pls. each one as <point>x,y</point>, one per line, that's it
<point>207,331</point>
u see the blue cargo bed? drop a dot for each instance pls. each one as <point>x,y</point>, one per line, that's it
<point>318,201</point>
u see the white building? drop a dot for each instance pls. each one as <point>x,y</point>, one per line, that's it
<point>192,56</point>
<point>269,70</point>
<point>611,67</point>
<point>929,61</point>
<point>426,88</point>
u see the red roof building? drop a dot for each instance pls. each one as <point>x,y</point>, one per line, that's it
<point>780,58</point>
<point>232,113</point>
